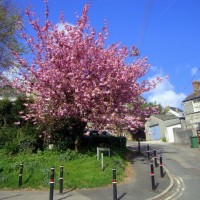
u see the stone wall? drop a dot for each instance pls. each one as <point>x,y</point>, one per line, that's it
<point>183,136</point>
<point>188,107</point>
<point>192,118</point>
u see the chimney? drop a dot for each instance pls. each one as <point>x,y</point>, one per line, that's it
<point>196,86</point>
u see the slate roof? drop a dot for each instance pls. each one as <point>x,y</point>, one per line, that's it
<point>175,109</point>
<point>192,96</point>
<point>165,117</point>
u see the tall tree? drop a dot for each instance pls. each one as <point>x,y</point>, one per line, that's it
<point>75,76</point>
<point>10,19</point>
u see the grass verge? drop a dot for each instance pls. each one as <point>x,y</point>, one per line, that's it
<point>80,170</point>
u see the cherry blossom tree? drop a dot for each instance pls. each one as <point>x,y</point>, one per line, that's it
<point>72,74</point>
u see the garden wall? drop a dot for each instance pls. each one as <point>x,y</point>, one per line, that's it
<point>183,136</point>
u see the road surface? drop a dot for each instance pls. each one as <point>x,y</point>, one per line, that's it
<point>183,163</point>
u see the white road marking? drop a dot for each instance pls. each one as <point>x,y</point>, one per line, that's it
<point>179,190</point>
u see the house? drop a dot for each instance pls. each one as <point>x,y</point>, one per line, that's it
<point>191,110</point>
<point>174,111</point>
<point>191,107</point>
<point>177,126</point>
<point>161,126</point>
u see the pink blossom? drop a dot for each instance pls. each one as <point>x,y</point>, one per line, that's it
<point>74,75</point>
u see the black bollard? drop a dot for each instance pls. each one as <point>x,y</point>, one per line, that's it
<point>155,158</point>
<point>114,185</point>
<point>148,151</point>
<point>51,184</point>
<point>138,145</point>
<point>161,167</point>
<point>152,176</point>
<point>61,179</point>
<point>20,174</point>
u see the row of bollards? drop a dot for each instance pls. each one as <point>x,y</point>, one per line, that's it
<point>61,183</point>
<point>51,182</point>
<point>52,174</point>
<point>155,158</point>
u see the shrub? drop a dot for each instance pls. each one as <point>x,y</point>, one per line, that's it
<point>5,111</point>
<point>19,139</point>
<point>9,111</point>
<point>65,137</point>
<point>7,134</point>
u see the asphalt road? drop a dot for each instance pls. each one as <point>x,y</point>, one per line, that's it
<point>183,162</point>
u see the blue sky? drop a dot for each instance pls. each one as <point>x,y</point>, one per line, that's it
<point>167,32</point>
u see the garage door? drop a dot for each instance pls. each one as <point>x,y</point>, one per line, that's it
<point>170,133</point>
<point>155,132</point>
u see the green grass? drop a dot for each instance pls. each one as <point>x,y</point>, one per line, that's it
<point>80,170</point>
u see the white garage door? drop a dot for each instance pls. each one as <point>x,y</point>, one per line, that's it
<point>170,133</point>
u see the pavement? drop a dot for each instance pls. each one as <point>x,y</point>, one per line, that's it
<point>137,187</point>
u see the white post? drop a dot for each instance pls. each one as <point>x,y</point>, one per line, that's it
<point>102,165</point>
<point>97,153</point>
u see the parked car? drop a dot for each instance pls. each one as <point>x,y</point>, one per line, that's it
<point>93,133</point>
<point>105,133</point>
<point>97,133</point>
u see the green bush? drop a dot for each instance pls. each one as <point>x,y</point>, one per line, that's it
<point>7,134</point>
<point>65,137</point>
<point>5,111</point>
<point>9,111</point>
<point>19,139</point>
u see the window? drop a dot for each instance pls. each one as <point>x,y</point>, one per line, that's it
<point>196,105</point>
<point>197,126</point>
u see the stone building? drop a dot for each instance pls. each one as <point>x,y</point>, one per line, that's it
<point>191,107</point>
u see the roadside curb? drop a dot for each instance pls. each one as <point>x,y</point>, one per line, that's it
<point>167,189</point>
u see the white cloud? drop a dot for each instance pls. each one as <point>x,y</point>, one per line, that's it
<point>153,68</point>
<point>61,27</point>
<point>12,73</point>
<point>165,94</point>
<point>194,71</point>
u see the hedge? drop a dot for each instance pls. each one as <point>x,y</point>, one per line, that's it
<point>91,142</point>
